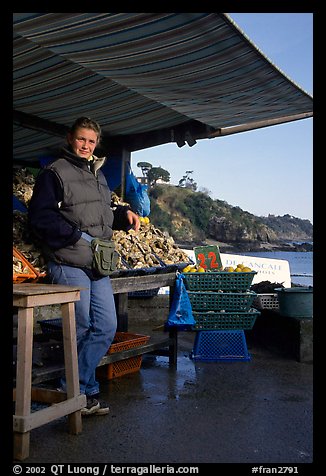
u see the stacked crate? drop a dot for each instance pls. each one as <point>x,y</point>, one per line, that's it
<point>122,341</point>
<point>221,303</point>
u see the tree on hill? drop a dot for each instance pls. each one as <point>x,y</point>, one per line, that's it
<point>187,181</point>
<point>157,173</point>
<point>145,167</point>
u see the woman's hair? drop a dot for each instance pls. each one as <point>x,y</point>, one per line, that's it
<point>87,123</point>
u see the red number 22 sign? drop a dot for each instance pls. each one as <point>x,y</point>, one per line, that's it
<point>208,257</point>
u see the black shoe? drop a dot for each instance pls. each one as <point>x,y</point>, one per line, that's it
<point>93,407</point>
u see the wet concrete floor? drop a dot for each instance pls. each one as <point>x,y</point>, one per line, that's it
<point>258,411</point>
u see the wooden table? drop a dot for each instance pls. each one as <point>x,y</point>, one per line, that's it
<point>165,346</point>
<point>26,297</point>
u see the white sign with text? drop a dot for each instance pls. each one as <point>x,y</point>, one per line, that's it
<point>273,270</point>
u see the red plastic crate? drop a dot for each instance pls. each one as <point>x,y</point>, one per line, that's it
<point>29,272</point>
<point>123,341</point>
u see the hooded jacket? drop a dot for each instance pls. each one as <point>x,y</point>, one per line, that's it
<point>71,196</point>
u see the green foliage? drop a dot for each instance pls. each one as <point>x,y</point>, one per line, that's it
<point>145,167</point>
<point>157,173</point>
<point>199,209</point>
<point>288,224</point>
<point>187,181</point>
<point>144,164</point>
<point>160,218</point>
<point>155,192</point>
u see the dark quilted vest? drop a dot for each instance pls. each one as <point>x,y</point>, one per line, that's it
<point>86,204</point>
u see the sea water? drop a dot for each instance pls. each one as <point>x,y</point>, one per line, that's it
<point>300,262</point>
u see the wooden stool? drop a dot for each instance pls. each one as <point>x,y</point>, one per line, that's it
<point>26,296</point>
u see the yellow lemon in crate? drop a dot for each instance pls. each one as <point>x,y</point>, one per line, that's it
<point>186,269</point>
<point>200,269</point>
<point>229,269</point>
<point>246,269</point>
<point>238,270</point>
<point>240,265</point>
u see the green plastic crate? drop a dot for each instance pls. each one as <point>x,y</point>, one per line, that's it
<point>212,301</point>
<point>219,280</point>
<point>225,320</point>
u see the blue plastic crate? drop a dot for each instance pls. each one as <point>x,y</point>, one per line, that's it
<point>220,346</point>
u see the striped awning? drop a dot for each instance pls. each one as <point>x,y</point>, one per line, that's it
<point>147,78</point>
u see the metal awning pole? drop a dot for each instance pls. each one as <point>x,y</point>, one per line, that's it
<point>224,131</point>
<point>125,158</point>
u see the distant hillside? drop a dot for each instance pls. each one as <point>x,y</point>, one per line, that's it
<point>289,227</point>
<point>193,217</point>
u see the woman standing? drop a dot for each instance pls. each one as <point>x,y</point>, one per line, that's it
<point>71,204</point>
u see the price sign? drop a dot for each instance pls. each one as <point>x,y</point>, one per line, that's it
<point>208,257</point>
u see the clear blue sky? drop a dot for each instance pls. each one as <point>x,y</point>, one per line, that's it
<point>270,170</point>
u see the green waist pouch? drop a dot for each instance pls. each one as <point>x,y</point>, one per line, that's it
<point>105,257</point>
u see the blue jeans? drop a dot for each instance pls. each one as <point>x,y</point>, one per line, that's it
<point>96,321</point>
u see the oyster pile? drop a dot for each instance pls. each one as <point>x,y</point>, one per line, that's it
<point>24,243</point>
<point>149,247</point>
<point>23,184</point>
<point>19,267</point>
<point>146,248</point>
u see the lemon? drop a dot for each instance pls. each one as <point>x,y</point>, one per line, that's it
<point>186,269</point>
<point>230,269</point>
<point>240,265</point>
<point>200,269</point>
<point>238,270</point>
<point>246,269</point>
<point>146,220</point>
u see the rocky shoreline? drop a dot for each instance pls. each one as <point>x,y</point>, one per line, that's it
<point>242,247</point>
<point>265,246</point>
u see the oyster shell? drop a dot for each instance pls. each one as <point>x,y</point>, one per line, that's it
<point>23,184</point>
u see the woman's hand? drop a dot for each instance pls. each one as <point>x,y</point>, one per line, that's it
<point>133,219</point>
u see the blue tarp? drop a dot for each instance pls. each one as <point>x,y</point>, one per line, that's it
<point>18,205</point>
<point>112,172</point>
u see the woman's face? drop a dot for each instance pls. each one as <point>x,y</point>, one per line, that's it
<point>83,142</point>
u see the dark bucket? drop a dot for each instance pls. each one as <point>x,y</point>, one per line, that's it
<point>296,302</point>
